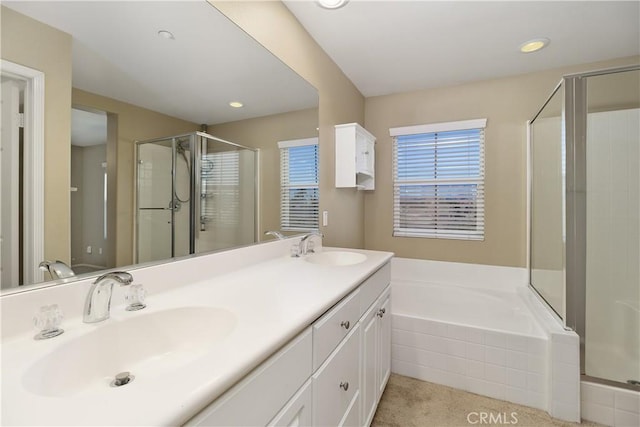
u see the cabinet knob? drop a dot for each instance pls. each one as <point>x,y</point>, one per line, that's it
<point>345,324</point>
<point>381,312</point>
<point>344,386</point>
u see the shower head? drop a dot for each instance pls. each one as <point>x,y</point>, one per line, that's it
<point>182,146</point>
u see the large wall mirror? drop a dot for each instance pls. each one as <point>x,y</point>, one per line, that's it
<point>119,100</point>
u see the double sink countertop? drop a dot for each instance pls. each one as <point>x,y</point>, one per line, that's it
<point>192,343</point>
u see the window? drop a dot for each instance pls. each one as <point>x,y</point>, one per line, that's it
<point>438,180</point>
<point>299,184</point>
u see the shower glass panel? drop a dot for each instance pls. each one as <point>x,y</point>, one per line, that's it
<point>548,207</point>
<point>227,196</point>
<point>163,190</point>
<point>612,321</point>
<point>183,209</point>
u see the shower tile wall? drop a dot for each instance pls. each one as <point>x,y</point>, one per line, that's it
<point>610,406</point>
<point>613,245</point>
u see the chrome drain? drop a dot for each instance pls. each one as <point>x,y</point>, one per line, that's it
<point>123,378</point>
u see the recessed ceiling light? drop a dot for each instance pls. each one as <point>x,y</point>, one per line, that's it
<point>166,35</point>
<point>236,104</point>
<point>332,4</point>
<point>534,45</point>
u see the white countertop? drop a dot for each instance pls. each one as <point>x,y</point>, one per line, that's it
<point>272,302</point>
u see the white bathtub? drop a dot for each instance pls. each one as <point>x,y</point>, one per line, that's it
<point>480,329</point>
<point>487,309</point>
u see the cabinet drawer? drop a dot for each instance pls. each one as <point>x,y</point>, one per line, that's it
<point>371,288</point>
<point>265,390</point>
<point>333,326</point>
<point>337,384</point>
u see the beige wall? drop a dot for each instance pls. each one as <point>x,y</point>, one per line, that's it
<point>35,45</point>
<point>133,123</point>
<point>507,103</point>
<point>272,25</point>
<point>264,133</point>
<point>87,204</point>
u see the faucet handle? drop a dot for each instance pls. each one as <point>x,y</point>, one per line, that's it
<point>311,247</point>
<point>135,296</point>
<point>295,251</point>
<point>48,319</point>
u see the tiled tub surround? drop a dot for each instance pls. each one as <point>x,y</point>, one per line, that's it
<point>480,329</point>
<point>272,296</point>
<point>610,406</point>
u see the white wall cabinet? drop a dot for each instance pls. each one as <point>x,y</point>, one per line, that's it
<point>332,374</point>
<point>355,157</point>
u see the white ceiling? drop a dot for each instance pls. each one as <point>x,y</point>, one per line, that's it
<point>117,53</point>
<point>397,46</point>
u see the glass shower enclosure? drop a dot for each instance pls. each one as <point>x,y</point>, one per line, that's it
<point>584,252</point>
<point>195,193</point>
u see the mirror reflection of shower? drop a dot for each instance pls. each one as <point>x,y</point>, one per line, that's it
<point>182,151</point>
<point>195,193</point>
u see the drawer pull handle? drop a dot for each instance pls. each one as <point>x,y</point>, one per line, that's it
<point>381,312</point>
<point>345,324</point>
<point>344,386</point>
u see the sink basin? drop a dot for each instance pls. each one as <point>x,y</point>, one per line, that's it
<point>336,258</point>
<point>147,345</point>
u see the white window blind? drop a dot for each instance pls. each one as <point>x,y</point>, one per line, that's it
<point>220,176</point>
<point>299,200</point>
<point>439,180</point>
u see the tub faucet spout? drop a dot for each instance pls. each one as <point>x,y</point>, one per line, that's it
<point>98,303</point>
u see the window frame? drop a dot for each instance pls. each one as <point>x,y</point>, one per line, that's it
<point>478,181</point>
<point>286,187</point>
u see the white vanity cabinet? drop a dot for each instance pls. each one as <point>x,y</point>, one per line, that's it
<point>260,396</point>
<point>376,355</point>
<point>336,385</point>
<point>332,374</point>
<point>355,157</point>
<point>369,343</point>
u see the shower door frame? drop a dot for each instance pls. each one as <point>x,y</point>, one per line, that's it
<point>574,115</point>
<point>197,139</point>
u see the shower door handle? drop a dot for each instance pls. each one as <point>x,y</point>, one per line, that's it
<point>155,209</point>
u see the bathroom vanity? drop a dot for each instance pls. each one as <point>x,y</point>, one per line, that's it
<point>250,336</point>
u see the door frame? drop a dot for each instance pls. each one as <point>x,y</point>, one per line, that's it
<point>33,178</point>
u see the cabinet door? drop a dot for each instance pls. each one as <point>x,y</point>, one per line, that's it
<point>297,412</point>
<point>364,155</point>
<point>384,343</point>
<point>368,360</point>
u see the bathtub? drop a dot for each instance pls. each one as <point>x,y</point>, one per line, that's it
<point>481,329</point>
<point>486,309</point>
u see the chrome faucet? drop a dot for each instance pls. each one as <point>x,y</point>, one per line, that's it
<point>98,302</point>
<point>57,269</point>
<point>278,235</point>
<point>303,246</point>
